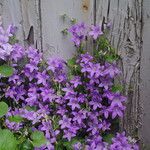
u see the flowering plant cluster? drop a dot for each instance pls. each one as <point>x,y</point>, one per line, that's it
<point>58,104</point>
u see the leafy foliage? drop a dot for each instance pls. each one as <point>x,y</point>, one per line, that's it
<point>108,138</point>
<point>58,104</point>
<point>15,118</point>
<point>6,71</point>
<point>26,145</point>
<point>3,108</point>
<point>38,138</point>
<point>7,140</point>
<point>117,88</point>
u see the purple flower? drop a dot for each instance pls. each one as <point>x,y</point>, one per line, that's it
<point>65,122</point>
<point>95,128</point>
<point>94,70</point>
<point>56,64</point>
<point>76,81</point>
<point>42,77</point>
<point>5,47</point>
<point>32,96</point>
<point>61,110</point>
<point>32,66</point>
<point>77,39</point>
<point>78,29</point>
<point>111,70</point>
<point>78,33</point>
<point>109,25</point>
<point>69,91</point>
<point>46,126</point>
<point>21,92</point>
<point>105,82</point>
<point>16,93</point>
<point>5,50</point>
<point>117,111</point>
<point>32,53</point>
<point>79,116</point>
<point>77,146</point>
<point>86,58</point>
<point>96,104</point>
<point>29,115</point>
<point>15,79</point>
<point>71,132</point>
<point>105,125</point>
<point>74,104</point>
<point>95,143</point>
<point>120,142</point>
<point>16,126</point>
<point>11,29</point>
<point>95,32</point>
<point>13,125</point>
<point>82,108</point>
<point>47,94</point>
<point>105,111</point>
<point>60,78</point>
<point>4,35</point>
<point>118,100</point>
<point>18,52</point>
<point>82,98</point>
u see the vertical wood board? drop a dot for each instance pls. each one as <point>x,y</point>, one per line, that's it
<point>145,75</point>
<point>53,41</point>
<point>126,37</point>
<point>40,23</point>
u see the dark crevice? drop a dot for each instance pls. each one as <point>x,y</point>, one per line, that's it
<point>103,23</point>
<point>95,9</point>
<point>118,6</point>
<point>30,38</point>
<point>140,101</point>
<point>108,9</point>
<point>40,22</point>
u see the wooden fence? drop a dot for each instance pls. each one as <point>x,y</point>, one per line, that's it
<point>40,23</point>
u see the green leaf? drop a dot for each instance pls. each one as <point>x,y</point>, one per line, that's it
<point>7,140</point>
<point>55,122</point>
<point>26,145</point>
<point>108,138</point>
<point>13,40</point>
<point>65,31</point>
<point>6,71</point>
<point>3,108</point>
<point>69,144</point>
<point>73,20</point>
<point>110,58</point>
<point>15,118</point>
<point>38,138</point>
<point>59,145</point>
<point>117,88</point>
<point>71,62</point>
<point>31,108</point>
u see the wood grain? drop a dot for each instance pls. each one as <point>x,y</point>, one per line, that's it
<point>145,75</point>
<point>54,42</point>
<point>40,23</point>
<point>126,37</point>
<point>24,15</point>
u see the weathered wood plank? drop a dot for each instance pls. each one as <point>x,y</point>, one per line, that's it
<point>145,75</point>
<point>31,22</point>
<point>126,37</point>
<point>40,23</point>
<point>11,13</point>
<point>53,41</point>
<point>24,15</point>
